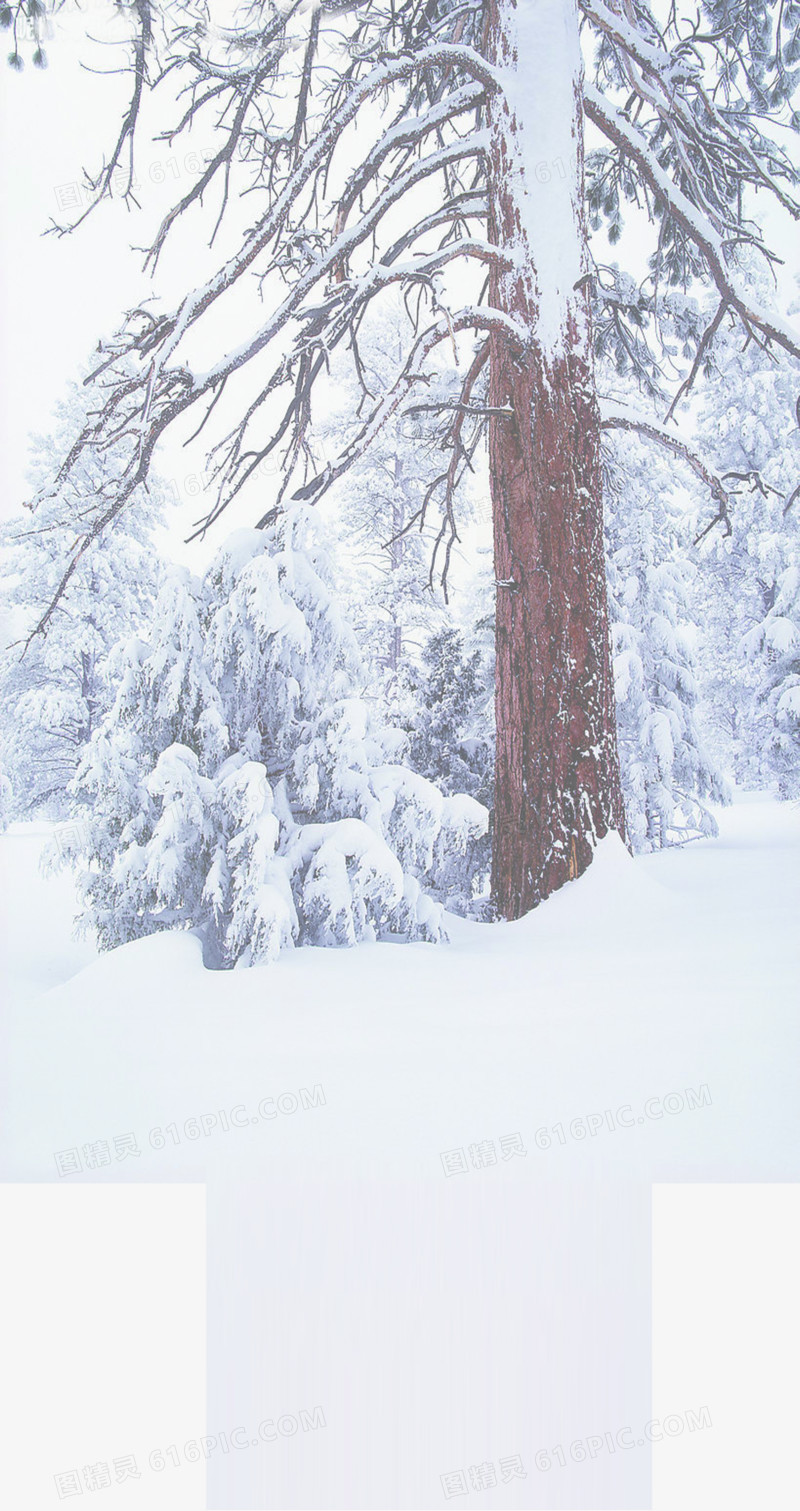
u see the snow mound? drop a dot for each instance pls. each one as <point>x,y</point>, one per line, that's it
<point>614,895</point>
<point>664,987</point>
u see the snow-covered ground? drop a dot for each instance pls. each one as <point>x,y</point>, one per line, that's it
<point>644,1023</point>
<point>37,945</point>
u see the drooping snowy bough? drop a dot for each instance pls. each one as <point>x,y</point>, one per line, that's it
<point>241,787</point>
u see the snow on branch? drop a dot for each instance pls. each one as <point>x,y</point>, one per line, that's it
<point>337,252</point>
<point>692,221</point>
<point>614,416</point>
<point>476,318</point>
<point>714,156</point>
<point>655,59</point>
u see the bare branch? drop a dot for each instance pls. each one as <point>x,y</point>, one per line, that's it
<point>101,185</point>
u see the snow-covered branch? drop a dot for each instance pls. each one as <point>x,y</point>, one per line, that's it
<point>476,318</point>
<point>614,416</point>
<point>691,220</point>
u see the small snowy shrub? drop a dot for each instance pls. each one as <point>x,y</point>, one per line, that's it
<point>449,729</point>
<point>239,786</point>
<point>448,713</point>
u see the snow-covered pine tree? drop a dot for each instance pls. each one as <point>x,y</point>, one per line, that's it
<point>668,774</point>
<point>440,148</point>
<point>379,504</point>
<point>409,631</point>
<point>144,831</point>
<point>241,787</point>
<point>776,642</point>
<point>447,699</point>
<point>748,422</point>
<point>6,800</point>
<point>54,685</point>
<point>448,736</point>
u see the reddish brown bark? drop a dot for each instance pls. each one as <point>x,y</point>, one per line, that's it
<point>557,782</point>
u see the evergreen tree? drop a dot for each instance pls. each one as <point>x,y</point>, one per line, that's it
<point>668,774</point>
<point>447,699</point>
<point>748,422</point>
<point>241,786</point>
<point>776,644</point>
<point>55,684</point>
<point>448,736</point>
<point>386,527</point>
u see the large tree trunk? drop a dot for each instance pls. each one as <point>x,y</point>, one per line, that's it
<point>558,784</point>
